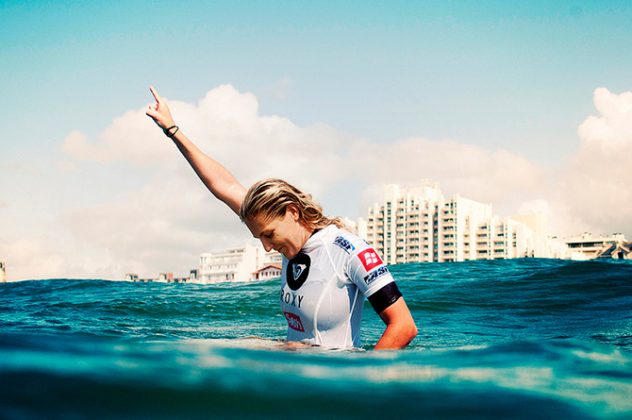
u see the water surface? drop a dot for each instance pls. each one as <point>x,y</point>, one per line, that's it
<point>525,338</point>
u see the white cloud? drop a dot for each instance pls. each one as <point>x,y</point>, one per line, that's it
<point>538,205</point>
<point>31,258</point>
<point>596,182</point>
<point>168,222</point>
<point>162,227</point>
<point>225,124</point>
<point>128,138</point>
<point>490,176</point>
<point>165,224</point>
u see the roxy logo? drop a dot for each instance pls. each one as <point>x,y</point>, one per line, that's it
<point>298,270</point>
<point>294,321</point>
<point>291,299</point>
<point>369,259</point>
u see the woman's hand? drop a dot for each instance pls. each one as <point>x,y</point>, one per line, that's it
<point>159,112</point>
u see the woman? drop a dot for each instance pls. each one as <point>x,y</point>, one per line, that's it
<point>326,270</point>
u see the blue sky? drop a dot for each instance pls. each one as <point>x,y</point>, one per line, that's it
<point>449,69</point>
<point>499,75</point>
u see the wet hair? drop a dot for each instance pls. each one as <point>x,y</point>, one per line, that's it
<point>271,197</point>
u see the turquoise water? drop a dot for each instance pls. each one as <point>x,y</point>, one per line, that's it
<point>522,338</point>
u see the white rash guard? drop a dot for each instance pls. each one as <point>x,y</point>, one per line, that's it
<point>324,285</point>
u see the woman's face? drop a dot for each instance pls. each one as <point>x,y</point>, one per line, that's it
<point>285,234</point>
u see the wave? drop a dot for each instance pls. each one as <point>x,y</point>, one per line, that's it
<point>75,377</point>
<point>515,338</point>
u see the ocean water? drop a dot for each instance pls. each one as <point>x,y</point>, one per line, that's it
<point>525,338</point>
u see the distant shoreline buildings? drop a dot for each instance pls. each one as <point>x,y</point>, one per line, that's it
<point>243,263</point>
<point>419,224</point>
<point>249,262</point>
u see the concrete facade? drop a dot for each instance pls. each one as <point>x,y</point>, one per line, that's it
<point>588,246</point>
<point>418,224</point>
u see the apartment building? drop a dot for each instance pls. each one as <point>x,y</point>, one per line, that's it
<point>236,264</point>
<point>418,224</point>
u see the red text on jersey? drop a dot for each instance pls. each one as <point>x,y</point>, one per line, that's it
<point>294,321</point>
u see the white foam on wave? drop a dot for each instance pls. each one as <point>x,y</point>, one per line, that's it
<point>615,357</point>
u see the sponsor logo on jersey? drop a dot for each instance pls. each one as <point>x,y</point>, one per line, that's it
<point>294,321</point>
<point>369,278</point>
<point>290,298</point>
<point>297,271</point>
<point>344,244</point>
<point>369,259</point>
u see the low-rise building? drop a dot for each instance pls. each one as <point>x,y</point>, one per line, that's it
<point>619,251</point>
<point>131,277</point>
<point>587,247</point>
<point>270,271</point>
<point>236,264</point>
<point>162,278</point>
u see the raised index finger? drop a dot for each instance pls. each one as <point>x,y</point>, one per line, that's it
<point>155,94</point>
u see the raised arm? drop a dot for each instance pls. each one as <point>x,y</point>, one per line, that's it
<point>217,179</point>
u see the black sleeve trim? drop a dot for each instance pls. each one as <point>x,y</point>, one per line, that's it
<point>385,297</point>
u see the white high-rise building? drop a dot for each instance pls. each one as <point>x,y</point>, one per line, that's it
<point>236,264</point>
<point>417,224</point>
<point>3,272</point>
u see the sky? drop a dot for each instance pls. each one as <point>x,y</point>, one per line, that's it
<point>524,105</point>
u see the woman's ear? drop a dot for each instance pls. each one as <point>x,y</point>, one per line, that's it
<point>293,211</point>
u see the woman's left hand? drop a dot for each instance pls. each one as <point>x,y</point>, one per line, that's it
<point>159,112</point>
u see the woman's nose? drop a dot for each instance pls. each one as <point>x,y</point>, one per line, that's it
<point>266,245</point>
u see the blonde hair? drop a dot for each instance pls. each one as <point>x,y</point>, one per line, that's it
<point>271,197</point>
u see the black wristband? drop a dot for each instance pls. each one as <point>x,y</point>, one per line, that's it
<point>168,132</point>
